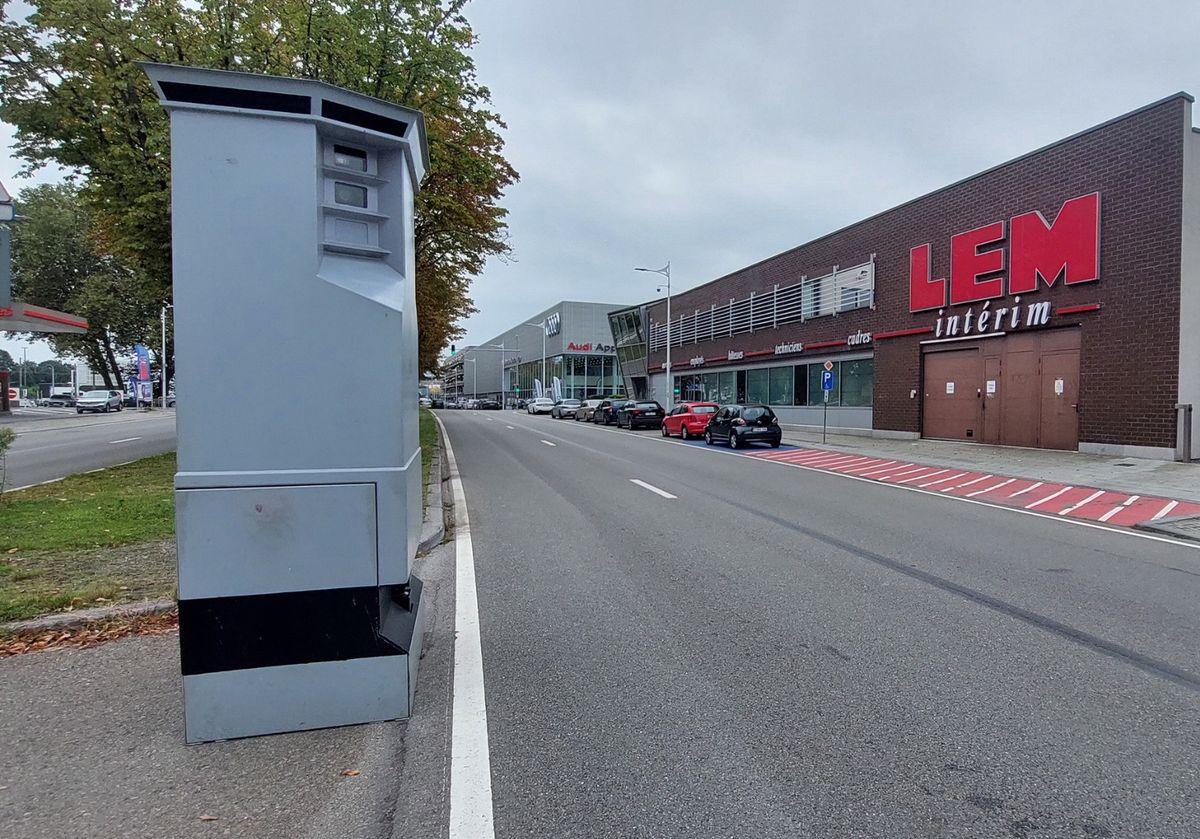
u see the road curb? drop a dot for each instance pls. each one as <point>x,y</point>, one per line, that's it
<point>81,617</point>
<point>433,527</point>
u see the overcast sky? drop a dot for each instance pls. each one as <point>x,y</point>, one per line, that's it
<point>715,134</point>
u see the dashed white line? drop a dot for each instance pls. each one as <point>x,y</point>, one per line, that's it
<point>1087,500</point>
<point>548,443</point>
<point>124,440</point>
<point>510,427</point>
<point>1050,497</point>
<point>652,488</point>
<point>966,483</point>
<point>1168,508</point>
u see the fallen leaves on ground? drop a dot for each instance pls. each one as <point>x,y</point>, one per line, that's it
<point>89,634</point>
<point>350,773</point>
<point>208,818</point>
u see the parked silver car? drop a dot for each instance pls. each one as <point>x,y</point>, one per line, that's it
<point>98,401</point>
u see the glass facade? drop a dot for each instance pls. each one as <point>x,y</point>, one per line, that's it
<point>784,385</point>
<point>582,376</point>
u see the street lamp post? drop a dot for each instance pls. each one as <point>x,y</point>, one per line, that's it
<point>666,272</point>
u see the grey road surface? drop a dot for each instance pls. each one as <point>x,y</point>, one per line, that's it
<point>52,444</point>
<point>783,653</point>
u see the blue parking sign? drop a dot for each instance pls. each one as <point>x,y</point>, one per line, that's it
<point>827,380</point>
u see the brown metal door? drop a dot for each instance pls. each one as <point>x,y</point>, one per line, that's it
<point>990,402</point>
<point>1019,396</point>
<point>1060,400</point>
<point>950,408</point>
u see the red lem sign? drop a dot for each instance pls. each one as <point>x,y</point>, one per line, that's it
<point>1038,251</point>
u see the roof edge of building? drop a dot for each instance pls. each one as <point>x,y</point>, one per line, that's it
<point>1182,94</point>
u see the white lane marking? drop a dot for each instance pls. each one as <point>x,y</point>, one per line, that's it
<point>898,467</point>
<point>966,483</point>
<point>869,467</point>
<point>856,461</point>
<point>1029,488</point>
<point>922,477</point>
<point>1119,531</point>
<point>93,471</point>
<point>989,489</point>
<point>1170,506</point>
<point>822,459</point>
<point>470,760</point>
<point>1119,508</point>
<point>548,443</point>
<point>1075,507</point>
<point>510,428</point>
<point>652,488</point>
<point>905,472</point>
<point>124,440</point>
<point>943,480</point>
<point>1050,497</point>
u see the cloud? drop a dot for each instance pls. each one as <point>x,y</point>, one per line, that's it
<point>715,134</point>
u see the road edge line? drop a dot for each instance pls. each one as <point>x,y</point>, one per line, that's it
<point>470,759</point>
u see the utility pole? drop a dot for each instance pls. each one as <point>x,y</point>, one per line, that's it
<point>666,272</point>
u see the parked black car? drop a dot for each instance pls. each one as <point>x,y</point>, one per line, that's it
<point>489,405</point>
<point>740,425</point>
<point>606,411</point>
<point>640,413</point>
<point>564,408</point>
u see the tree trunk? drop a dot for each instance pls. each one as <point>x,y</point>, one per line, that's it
<point>112,360</point>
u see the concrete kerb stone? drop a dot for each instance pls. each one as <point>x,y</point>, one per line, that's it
<point>82,617</point>
<point>433,527</point>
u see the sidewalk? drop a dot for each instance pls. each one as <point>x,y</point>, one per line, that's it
<point>1130,475</point>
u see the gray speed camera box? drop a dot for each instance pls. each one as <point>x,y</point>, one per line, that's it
<point>298,495</point>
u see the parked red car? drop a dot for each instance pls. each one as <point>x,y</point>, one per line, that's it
<point>689,419</point>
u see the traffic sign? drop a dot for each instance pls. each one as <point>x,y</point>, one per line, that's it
<point>827,379</point>
<point>828,365</point>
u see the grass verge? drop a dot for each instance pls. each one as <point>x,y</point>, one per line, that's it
<point>429,443</point>
<point>88,540</point>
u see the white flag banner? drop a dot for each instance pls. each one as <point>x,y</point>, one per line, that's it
<point>556,388</point>
<point>537,388</point>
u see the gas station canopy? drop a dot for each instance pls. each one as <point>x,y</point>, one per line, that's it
<point>16,316</point>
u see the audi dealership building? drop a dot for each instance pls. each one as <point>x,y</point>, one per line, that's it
<point>576,354</point>
<point>1052,301</point>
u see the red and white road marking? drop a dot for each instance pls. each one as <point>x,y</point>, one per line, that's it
<point>1076,502</point>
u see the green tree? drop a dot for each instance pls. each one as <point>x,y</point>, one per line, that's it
<point>58,262</point>
<point>70,85</point>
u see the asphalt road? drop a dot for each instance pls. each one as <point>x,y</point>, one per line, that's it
<point>784,653</point>
<point>53,443</point>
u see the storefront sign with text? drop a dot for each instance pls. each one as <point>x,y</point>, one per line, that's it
<point>1019,257</point>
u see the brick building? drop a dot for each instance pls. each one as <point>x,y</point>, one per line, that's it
<point>1051,301</point>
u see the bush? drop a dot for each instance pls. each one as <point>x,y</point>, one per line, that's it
<point>7,435</point>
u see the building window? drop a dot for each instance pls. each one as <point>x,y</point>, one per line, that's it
<point>727,388</point>
<point>756,386</point>
<point>816,396</point>
<point>800,384</point>
<point>858,382</point>
<point>781,387</point>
